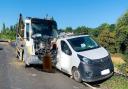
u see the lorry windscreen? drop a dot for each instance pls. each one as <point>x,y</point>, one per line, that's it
<point>80,44</point>
<point>43,29</point>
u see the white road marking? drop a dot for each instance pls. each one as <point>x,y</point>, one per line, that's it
<point>91,86</point>
<point>34,75</point>
<point>75,87</point>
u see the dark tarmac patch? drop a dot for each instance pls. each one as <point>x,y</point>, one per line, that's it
<point>1,48</point>
<point>39,67</point>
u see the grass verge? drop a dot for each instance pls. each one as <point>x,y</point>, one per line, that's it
<point>116,82</point>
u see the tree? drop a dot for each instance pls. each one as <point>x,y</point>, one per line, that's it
<point>103,26</point>
<point>68,29</point>
<point>4,28</point>
<point>21,22</point>
<point>103,38</point>
<point>20,26</point>
<point>107,38</point>
<point>8,33</point>
<point>81,30</point>
<point>94,32</point>
<point>112,27</point>
<point>122,34</point>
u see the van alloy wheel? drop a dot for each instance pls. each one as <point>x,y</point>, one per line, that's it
<point>77,75</point>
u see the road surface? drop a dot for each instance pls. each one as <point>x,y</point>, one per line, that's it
<point>13,74</point>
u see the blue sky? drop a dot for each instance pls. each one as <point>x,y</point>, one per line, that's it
<point>74,13</point>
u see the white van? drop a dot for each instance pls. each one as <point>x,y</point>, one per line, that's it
<point>84,59</point>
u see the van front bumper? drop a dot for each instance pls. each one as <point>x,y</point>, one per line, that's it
<point>94,79</point>
<point>92,72</point>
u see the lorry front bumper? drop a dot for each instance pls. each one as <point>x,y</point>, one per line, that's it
<point>33,59</point>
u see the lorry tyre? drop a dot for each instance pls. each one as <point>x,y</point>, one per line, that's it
<point>26,65</point>
<point>17,54</point>
<point>76,75</point>
<point>24,58</point>
<point>21,55</point>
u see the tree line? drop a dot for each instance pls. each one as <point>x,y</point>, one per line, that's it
<point>8,33</point>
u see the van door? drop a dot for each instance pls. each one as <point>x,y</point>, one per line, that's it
<point>65,57</point>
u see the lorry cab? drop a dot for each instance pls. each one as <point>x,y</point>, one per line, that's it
<point>84,59</point>
<point>35,33</point>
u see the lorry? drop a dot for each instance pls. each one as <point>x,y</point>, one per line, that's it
<point>35,38</point>
<point>78,56</point>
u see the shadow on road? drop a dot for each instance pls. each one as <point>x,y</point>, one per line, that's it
<point>39,67</point>
<point>1,48</point>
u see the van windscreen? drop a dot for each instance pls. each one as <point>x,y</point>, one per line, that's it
<point>83,43</point>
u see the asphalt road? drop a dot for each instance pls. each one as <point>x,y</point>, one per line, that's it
<point>13,74</point>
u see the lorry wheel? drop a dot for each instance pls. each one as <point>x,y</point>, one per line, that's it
<point>17,54</point>
<point>76,75</point>
<point>26,65</point>
<point>21,56</point>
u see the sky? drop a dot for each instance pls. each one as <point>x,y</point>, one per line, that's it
<point>73,13</point>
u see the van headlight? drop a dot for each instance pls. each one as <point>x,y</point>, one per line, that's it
<point>84,59</point>
<point>109,56</point>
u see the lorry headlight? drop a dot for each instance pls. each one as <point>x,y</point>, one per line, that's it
<point>84,59</point>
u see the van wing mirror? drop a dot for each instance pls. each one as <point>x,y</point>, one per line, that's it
<point>68,52</point>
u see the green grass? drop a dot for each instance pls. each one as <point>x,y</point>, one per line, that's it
<point>116,82</point>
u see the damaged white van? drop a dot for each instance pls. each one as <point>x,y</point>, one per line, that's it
<point>84,59</point>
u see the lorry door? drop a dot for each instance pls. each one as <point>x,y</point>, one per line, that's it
<point>27,37</point>
<point>65,57</point>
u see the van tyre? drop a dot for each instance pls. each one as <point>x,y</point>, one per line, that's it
<point>76,75</point>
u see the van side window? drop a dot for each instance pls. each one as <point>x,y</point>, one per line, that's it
<point>27,31</point>
<point>65,48</point>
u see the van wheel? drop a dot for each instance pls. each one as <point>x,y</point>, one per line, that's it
<point>76,75</point>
